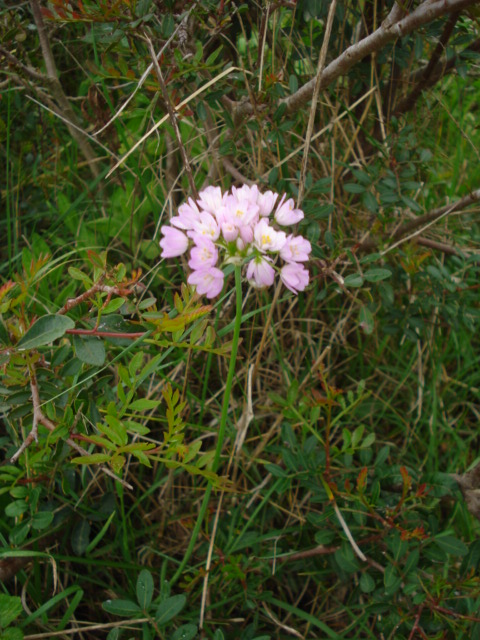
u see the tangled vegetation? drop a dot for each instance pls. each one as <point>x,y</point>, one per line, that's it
<point>258,464</point>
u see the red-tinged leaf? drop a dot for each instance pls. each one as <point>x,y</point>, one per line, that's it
<point>95,259</point>
<point>362,479</point>
<point>407,480</point>
<point>46,13</point>
<point>5,288</point>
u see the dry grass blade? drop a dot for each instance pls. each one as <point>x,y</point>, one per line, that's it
<point>177,109</point>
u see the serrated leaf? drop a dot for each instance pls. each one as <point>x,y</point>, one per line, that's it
<point>89,350</point>
<point>45,330</point>
<point>169,608</point>
<point>12,633</point>
<point>119,607</point>
<point>10,608</point>
<point>144,589</point>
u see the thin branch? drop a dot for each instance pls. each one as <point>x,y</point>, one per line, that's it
<point>57,91</point>
<point>316,92</point>
<point>418,225</point>
<point>98,287</point>
<point>396,25</point>
<point>391,29</point>
<point>438,246</point>
<point>436,214</point>
<point>408,103</point>
<point>173,118</point>
<point>29,71</point>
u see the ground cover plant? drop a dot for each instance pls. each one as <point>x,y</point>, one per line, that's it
<point>239,319</point>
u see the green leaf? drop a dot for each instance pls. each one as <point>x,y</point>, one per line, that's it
<point>89,350</point>
<point>45,330</point>
<point>375,275</point>
<point>10,609</point>
<point>42,520</point>
<point>113,305</point>
<point>119,607</point>
<point>366,320</point>
<point>135,364</point>
<point>144,405</point>
<point>353,187</point>
<point>451,545</point>
<point>144,589</point>
<point>80,537</point>
<point>101,533</point>
<point>169,608</point>
<point>76,274</point>
<point>95,458</point>
<point>185,632</point>
<point>12,633</point>
<point>16,508</point>
<point>353,280</point>
<point>367,583</point>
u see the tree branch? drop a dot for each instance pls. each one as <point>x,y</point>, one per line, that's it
<point>407,103</point>
<point>396,25</point>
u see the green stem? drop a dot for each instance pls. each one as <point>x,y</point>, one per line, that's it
<point>222,428</point>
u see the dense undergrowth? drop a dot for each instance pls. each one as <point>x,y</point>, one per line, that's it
<point>337,503</point>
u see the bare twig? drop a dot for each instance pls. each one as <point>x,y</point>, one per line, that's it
<point>418,225</point>
<point>173,118</point>
<point>316,92</point>
<point>408,103</point>
<point>59,95</point>
<point>396,25</point>
<point>98,287</point>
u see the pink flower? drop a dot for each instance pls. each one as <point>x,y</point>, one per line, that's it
<point>187,215</point>
<point>242,213</point>
<point>229,231</point>
<point>266,202</point>
<point>294,276</point>
<point>295,249</point>
<point>174,242</point>
<point>286,213</point>
<point>208,281</point>
<point>266,238</point>
<point>211,199</point>
<point>203,255</point>
<point>246,193</point>
<point>205,226</point>
<point>260,273</point>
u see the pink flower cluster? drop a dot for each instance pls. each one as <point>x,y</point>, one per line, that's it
<point>238,227</point>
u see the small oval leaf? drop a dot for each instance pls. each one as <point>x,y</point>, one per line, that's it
<point>45,330</point>
<point>169,608</point>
